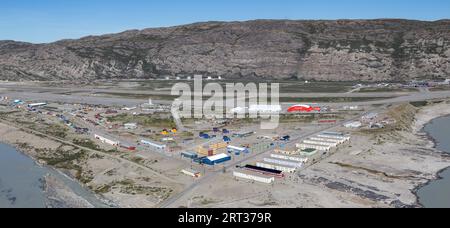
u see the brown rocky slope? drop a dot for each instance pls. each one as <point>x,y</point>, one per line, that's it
<point>344,50</point>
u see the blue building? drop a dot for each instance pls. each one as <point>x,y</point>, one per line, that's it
<point>216,159</point>
<point>151,144</point>
<point>286,138</point>
<point>204,136</point>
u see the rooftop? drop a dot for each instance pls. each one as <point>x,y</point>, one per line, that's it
<point>218,157</point>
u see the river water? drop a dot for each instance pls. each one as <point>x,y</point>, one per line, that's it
<point>437,193</point>
<point>21,182</point>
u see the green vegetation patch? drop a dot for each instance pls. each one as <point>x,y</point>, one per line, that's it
<point>130,187</point>
<point>56,130</point>
<point>62,159</point>
<point>68,160</point>
<point>87,143</point>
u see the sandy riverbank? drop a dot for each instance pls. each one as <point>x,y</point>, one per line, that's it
<point>15,137</point>
<point>124,184</point>
<point>58,195</point>
<point>56,191</point>
<point>430,112</point>
<point>424,117</point>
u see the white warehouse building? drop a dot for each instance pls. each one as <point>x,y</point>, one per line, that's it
<point>338,141</point>
<point>157,146</point>
<point>346,138</point>
<point>265,109</point>
<point>283,162</point>
<point>355,124</point>
<point>35,105</point>
<point>305,146</point>
<point>332,144</point>
<point>107,141</point>
<point>290,158</point>
<point>283,169</point>
<point>254,177</point>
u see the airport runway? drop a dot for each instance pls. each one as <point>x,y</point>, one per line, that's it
<point>95,96</point>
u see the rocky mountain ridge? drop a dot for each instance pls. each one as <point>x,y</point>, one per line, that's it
<point>342,50</point>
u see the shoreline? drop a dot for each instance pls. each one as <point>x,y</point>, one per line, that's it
<point>35,144</point>
<point>420,129</point>
<point>101,199</point>
<point>51,169</point>
<point>438,174</point>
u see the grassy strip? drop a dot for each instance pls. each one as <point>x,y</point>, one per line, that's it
<point>143,120</point>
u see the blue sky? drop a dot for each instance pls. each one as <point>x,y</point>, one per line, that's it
<point>50,20</point>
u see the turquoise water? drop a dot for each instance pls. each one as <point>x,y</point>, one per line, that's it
<point>437,193</point>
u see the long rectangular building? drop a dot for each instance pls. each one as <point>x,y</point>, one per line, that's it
<point>107,141</point>
<point>284,169</point>
<point>287,152</point>
<point>338,141</point>
<point>333,133</point>
<point>216,159</point>
<point>191,173</point>
<point>323,143</point>
<point>152,144</point>
<point>290,158</point>
<point>284,162</point>
<point>304,146</point>
<point>35,105</point>
<point>334,137</point>
<point>254,177</point>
